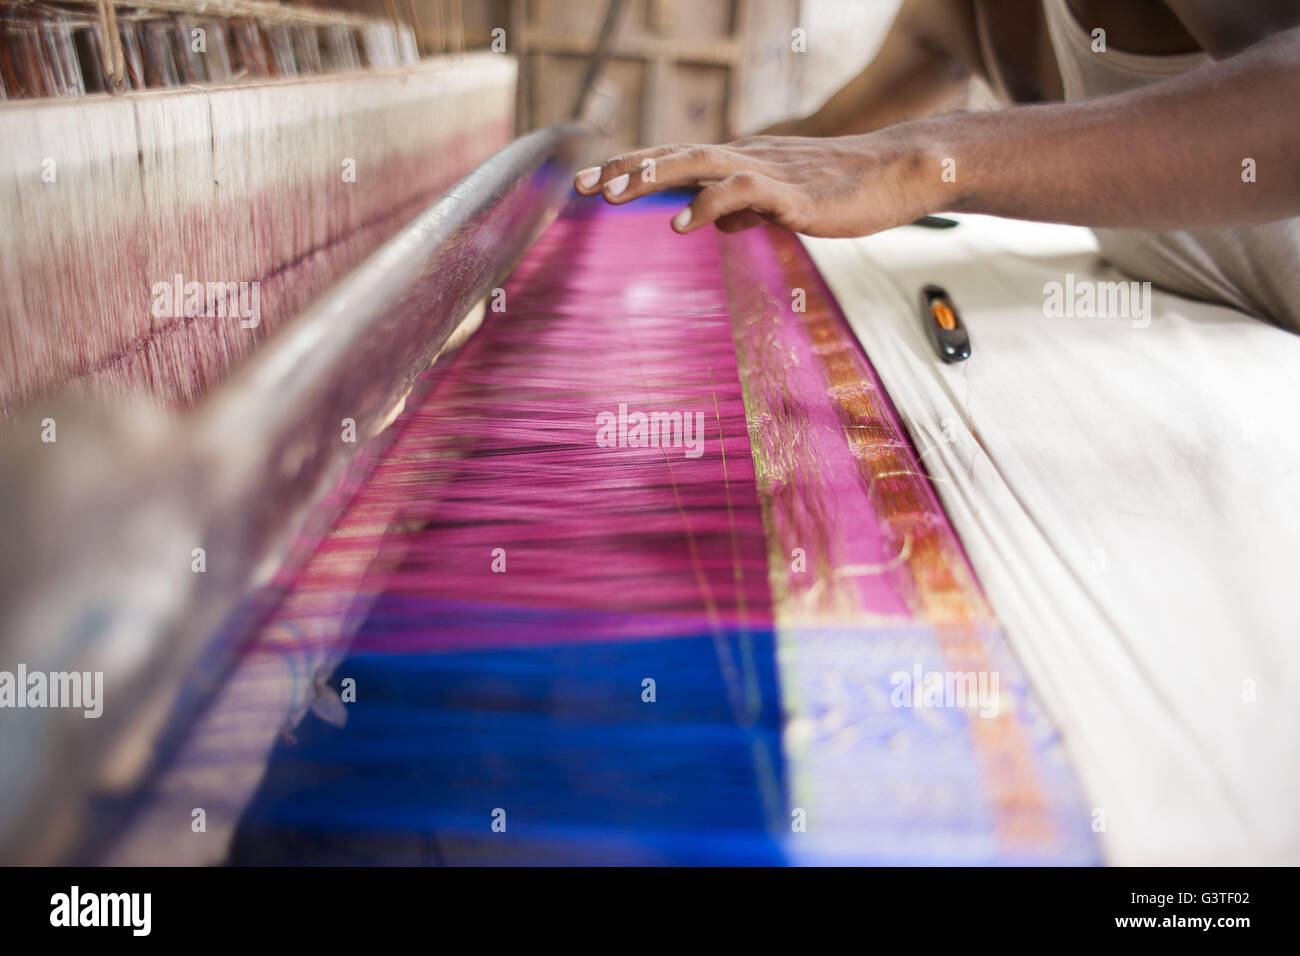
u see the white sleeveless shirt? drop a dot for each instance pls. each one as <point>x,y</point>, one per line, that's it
<point>1252,268</point>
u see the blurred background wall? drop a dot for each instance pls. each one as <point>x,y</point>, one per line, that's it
<point>681,70</point>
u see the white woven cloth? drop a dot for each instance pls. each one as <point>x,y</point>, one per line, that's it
<point>1129,494</point>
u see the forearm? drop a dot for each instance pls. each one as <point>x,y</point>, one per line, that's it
<point>899,85</point>
<point>915,90</point>
<point>1168,155</point>
<point>923,67</point>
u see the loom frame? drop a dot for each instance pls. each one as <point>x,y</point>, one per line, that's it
<point>256,476</point>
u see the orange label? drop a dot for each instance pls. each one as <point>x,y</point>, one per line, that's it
<point>944,315</point>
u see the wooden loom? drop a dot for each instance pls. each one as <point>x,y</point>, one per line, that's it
<point>284,184</point>
<point>288,182</point>
<point>255,470</point>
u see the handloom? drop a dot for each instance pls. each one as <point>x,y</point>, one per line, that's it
<point>531,532</point>
<point>504,583</point>
<point>151,242</point>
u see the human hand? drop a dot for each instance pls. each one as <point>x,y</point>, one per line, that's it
<point>840,186</point>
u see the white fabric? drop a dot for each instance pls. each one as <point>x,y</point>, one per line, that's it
<point>1130,499</point>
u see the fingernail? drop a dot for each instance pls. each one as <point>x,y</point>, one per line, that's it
<point>682,219</point>
<point>615,187</point>
<point>589,177</point>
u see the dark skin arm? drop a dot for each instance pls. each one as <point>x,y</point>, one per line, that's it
<point>923,66</point>
<point>1167,155</point>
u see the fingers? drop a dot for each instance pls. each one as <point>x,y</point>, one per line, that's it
<point>629,177</point>
<point>590,180</point>
<point>735,194</point>
<point>737,202</point>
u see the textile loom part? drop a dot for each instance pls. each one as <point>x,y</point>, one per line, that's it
<point>521,690</point>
